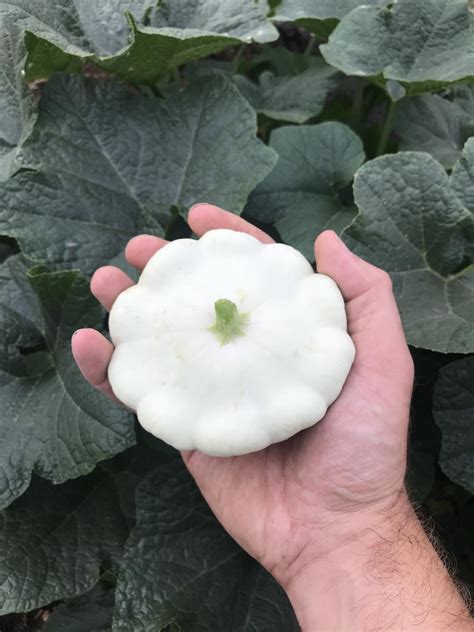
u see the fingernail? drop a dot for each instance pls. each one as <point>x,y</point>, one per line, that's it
<point>196,205</point>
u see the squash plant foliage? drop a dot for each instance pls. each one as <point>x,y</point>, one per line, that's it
<point>302,115</point>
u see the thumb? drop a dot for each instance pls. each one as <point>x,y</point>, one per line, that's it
<point>353,275</point>
<point>373,318</point>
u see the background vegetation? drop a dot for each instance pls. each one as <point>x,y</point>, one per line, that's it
<point>115,117</point>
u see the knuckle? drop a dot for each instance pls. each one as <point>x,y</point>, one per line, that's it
<point>385,280</point>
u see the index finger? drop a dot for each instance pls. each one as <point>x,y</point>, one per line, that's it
<point>205,217</point>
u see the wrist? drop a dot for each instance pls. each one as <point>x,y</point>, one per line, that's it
<point>385,574</point>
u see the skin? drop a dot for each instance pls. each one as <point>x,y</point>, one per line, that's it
<point>329,502</point>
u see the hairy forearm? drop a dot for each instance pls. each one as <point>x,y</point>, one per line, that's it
<point>389,577</point>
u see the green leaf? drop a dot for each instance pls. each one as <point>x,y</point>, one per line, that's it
<point>55,542</point>
<point>91,612</point>
<point>302,193</point>
<point>172,34</point>
<point>290,98</point>
<point>17,102</point>
<point>412,224</point>
<point>109,161</point>
<point>281,61</point>
<point>420,475</point>
<point>181,568</point>
<point>453,409</point>
<point>422,45</point>
<point>319,16</point>
<point>52,421</point>
<point>435,125</point>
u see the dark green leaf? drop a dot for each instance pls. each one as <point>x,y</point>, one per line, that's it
<point>181,568</point>
<point>412,224</point>
<point>281,61</point>
<point>290,98</point>
<point>319,16</point>
<point>19,313</point>
<point>453,409</point>
<point>420,474</point>
<point>8,247</point>
<point>301,194</point>
<point>109,161</point>
<point>56,541</point>
<point>435,125</point>
<point>422,45</point>
<point>91,612</point>
<point>139,49</point>
<point>51,420</point>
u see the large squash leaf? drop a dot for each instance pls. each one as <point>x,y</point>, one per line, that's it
<point>155,39</point>
<point>109,163</point>
<point>453,409</point>
<point>180,567</point>
<point>51,421</point>
<point>421,45</point>
<point>17,102</point>
<point>301,196</point>
<point>418,225</point>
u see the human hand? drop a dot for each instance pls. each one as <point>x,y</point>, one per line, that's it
<point>326,512</point>
<point>300,500</point>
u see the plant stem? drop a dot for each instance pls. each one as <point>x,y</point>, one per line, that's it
<point>309,47</point>
<point>237,58</point>
<point>177,75</point>
<point>358,103</point>
<point>387,129</point>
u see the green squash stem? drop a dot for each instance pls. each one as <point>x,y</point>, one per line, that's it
<point>230,323</point>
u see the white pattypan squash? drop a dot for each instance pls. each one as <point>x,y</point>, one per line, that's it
<point>227,345</point>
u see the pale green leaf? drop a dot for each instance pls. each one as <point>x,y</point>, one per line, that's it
<point>435,125</point>
<point>301,196</point>
<point>290,98</point>
<point>462,177</point>
<point>51,421</point>
<point>413,225</point>
<point>17,102</point>
<point>181,568</point>
<point>151,44</point>
<point>110,163</point>
<point>453,409</point>
<point>422,45</point>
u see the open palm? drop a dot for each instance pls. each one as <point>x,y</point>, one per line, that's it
<point>300,498</point>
